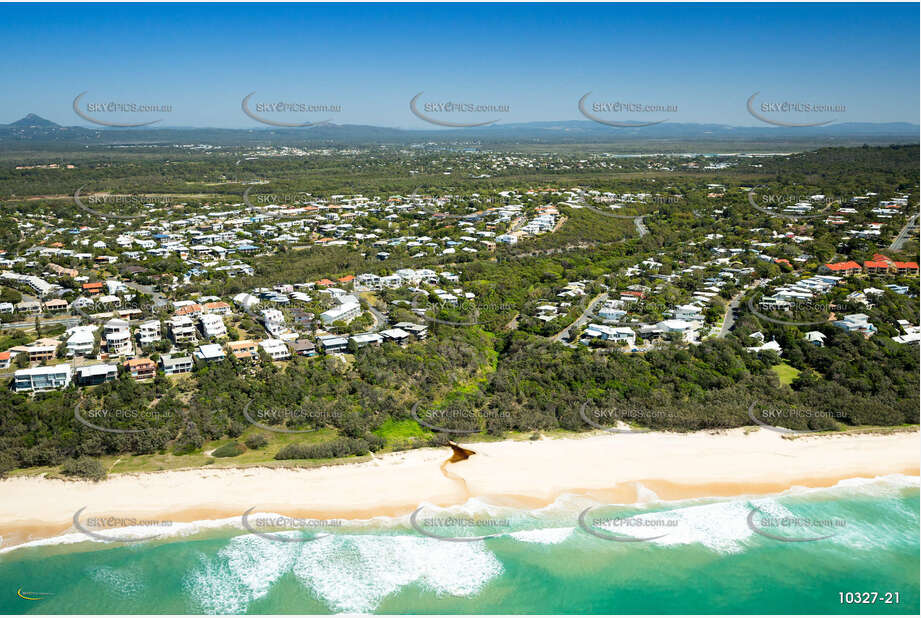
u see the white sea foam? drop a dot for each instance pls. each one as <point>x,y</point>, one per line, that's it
<point>543,536</point>
<point>719,526</point>
<point>350,573</point>
<point>244,570</point>
<point>354,573</point>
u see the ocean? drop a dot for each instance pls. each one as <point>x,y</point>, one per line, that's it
<point>804,551</point>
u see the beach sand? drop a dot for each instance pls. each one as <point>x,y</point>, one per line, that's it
<point>526,474</point>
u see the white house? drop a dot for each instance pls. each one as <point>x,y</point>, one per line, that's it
<point>117,337</point>
<point>610,333</point>
<point>182,329</point>
<point>212,326</point>
<point>42,378</point>
<point>276,349</point>
<point>210,352</point>
<point>149,332</point>
<point>856,323</point>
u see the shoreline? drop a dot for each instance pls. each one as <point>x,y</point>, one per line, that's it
<point>608,468</point>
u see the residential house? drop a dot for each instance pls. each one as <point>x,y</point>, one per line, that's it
<point>141,368</point>
<point>174,365</point>
<point>149,332</point>
<point>856,323</point>
<point>815,338</point>
<point>396,335</point>
<point>243,350</point>
<point>303,347</point>
<point>276,349</point>
<point>93,375</point>
<point>333,343</point>
<point>212,326</point>
<point>82,341</point>
<point>210,352</point>
<point>364,339</point>
<point>39,379</point>
<point>182,330</point>
<point>610,333</point>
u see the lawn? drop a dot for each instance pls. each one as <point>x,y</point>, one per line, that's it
<point>785,373</point>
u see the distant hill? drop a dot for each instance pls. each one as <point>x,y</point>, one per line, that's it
<point>33,121</point>
<point>34,131</point>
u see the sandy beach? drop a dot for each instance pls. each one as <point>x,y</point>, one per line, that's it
<point>608,467</point>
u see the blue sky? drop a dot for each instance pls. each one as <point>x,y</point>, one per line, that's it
<point>538,59</point>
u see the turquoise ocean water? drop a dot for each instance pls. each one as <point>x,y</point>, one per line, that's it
<point>707,559</point>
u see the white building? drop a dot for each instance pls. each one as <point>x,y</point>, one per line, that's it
<point>42,378</point>
<point>610,333</point>
<point>182,329</point>
<point>345,312</point>
<point>173,365</point>
<point>82,341</point>
<point>117,337</point>
<point>149,332</point>
<point>276,349</point>
<point>212,326</point>
<point>274,321</point>
<point>210,352</point>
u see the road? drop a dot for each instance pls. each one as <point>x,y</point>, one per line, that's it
<point>903,236</point>
<point>729,319</point>
<point>44,322</point>
<point>158,298</point>
<point>379,320</point>
<point>640,227</point>
<point>582,319</point>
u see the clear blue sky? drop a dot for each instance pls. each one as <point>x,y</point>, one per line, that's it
<point>536,58</point>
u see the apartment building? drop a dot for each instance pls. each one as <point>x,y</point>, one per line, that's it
<point>92,375</point>
<point>40,379</point>
<point>276,349</point>
<point>149,332</point>
<point>82,341</point>
<point>117,338</point>
<point>274,321</point>
<point>212,326</point>
<point>182,329</point>
<point>174,365</point>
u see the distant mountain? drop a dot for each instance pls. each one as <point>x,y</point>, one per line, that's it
<point>34,121</point>
<point>34,131</point>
